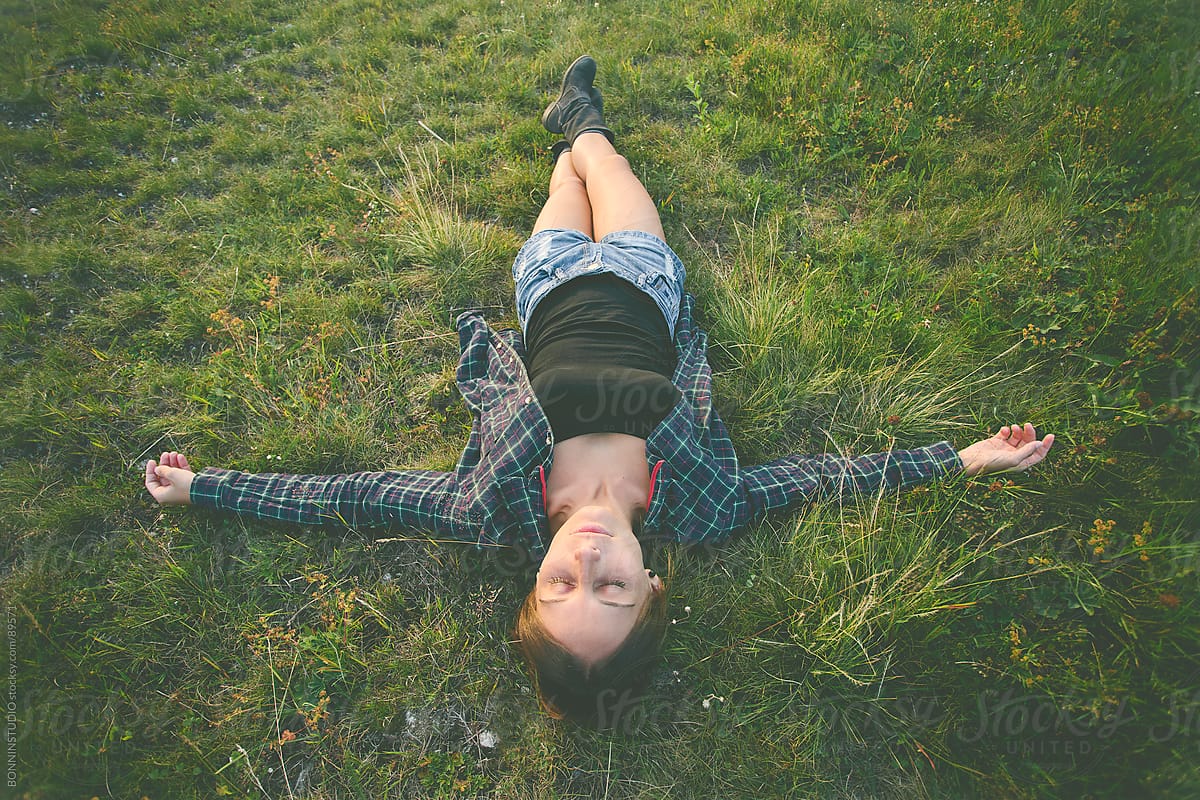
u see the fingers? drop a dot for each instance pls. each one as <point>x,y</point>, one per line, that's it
<point>1047,443</point>
<point>1033,452</point>
<point>1017,434</point>
<point>174,459</point>
<point>151,475</point>
<point>1026,452</point>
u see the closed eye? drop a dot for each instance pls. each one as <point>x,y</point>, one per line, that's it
<point>567,582</point>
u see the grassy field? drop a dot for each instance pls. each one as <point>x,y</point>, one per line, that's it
<point>242,230</point>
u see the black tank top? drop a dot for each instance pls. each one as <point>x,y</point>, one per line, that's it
<point>600,358</point>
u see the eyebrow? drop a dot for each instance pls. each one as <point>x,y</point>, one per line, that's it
<point>605,602</point>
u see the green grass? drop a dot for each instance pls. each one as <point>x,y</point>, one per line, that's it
<point>242,230</point>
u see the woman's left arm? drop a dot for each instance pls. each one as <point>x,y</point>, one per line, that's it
<point>793,480</point>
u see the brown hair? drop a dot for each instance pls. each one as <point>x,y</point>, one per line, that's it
<point>595,696</point>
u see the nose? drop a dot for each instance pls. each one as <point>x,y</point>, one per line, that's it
<point>587,555</point>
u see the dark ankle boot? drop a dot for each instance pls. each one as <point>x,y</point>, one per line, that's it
<point>579,107</point>
<point>558,147</point>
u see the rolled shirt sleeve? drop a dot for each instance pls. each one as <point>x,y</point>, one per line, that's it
<point>412,500</point>
<point>793,480</point>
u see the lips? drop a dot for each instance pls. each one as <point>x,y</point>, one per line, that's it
<point>593,529</point>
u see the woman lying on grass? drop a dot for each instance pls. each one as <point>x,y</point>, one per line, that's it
<point>593,431</point>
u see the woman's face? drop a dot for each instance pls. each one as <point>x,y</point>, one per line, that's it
<point>592,585</point>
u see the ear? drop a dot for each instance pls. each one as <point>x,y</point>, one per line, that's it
<point>656,584</point>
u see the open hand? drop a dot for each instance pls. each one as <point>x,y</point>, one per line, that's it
<point>1012,448</point>
<point>170,482</point>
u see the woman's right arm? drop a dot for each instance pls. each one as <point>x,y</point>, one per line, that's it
<point>417,500</point>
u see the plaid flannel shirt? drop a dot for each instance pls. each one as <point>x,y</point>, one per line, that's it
<point>496,494</point>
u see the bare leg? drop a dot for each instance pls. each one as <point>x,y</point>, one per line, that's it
<point>568,205</point>
<point>619,201</point>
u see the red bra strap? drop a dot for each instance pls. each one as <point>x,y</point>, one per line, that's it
<point>542,473</point>
<point>653,475</point>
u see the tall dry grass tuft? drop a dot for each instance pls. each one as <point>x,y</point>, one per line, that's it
<point>460,262</point>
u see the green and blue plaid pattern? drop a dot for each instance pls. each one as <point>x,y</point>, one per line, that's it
<point>495,494</point>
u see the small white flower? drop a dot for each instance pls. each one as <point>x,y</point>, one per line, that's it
<point>687,609</point>
<point>34,211</point>
<point>488,739</point>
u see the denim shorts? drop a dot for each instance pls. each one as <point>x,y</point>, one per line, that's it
<point>552,257</point>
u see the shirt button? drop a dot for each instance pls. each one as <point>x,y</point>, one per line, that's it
<point>528,400</point>
<point>641,281</point>
<point>548,440</point>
